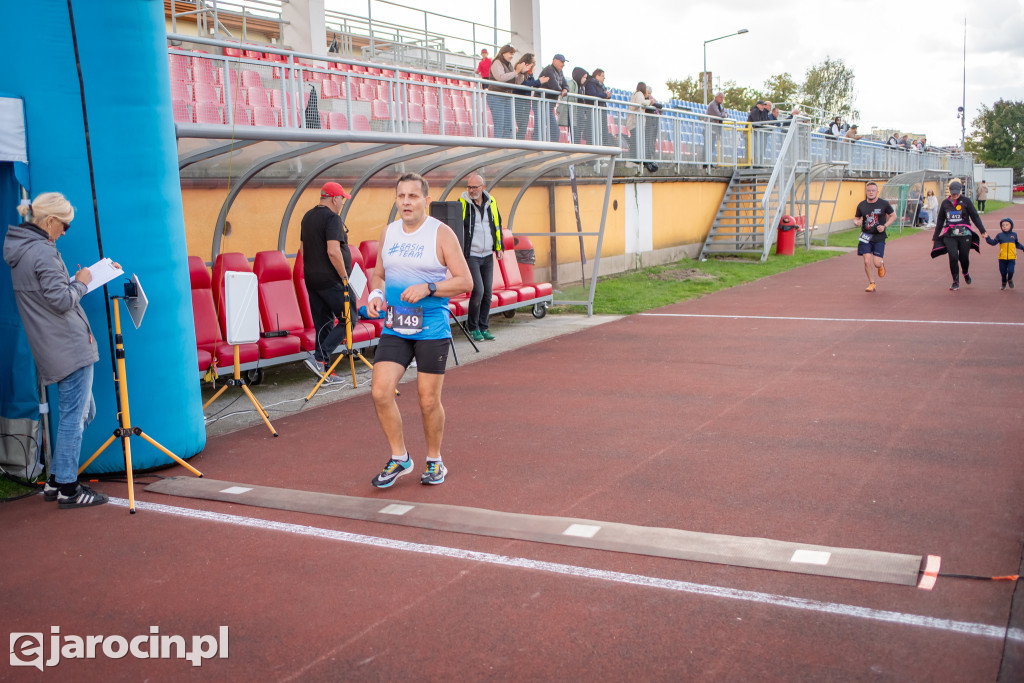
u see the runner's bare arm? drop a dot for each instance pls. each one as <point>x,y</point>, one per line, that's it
<point>376,304</point>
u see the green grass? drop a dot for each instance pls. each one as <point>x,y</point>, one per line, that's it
<point>635,292</point>
<point>10,489</point>
<point>848,238</point>
<point>992,205</point>
<point>649,288</point>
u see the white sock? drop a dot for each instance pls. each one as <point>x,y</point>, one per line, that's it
<point>433,459</point>
<point>401,458</point>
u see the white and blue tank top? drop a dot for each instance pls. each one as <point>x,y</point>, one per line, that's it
<point>411,259</point>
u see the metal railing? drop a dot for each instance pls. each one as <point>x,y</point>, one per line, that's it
<point>210,88</point>
<point>208,14</point>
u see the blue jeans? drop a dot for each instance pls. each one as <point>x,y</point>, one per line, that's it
<point>482,270</point>
<point>77,409</point>
<point>501,114</point>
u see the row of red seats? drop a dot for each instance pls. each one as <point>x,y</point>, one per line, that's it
<point>284,304</point>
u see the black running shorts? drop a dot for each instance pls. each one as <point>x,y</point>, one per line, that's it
<point>431,354</point>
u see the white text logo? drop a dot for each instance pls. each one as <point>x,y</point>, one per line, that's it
<point>27,648</point>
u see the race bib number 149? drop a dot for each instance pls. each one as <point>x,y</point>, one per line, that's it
<point>404,319</point>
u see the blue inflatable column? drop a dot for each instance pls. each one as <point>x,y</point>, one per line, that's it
<point>127,132</point>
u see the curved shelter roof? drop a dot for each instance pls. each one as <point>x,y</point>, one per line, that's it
<point>300,158</point>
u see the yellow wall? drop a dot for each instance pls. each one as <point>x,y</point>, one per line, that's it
<point>682,214</point>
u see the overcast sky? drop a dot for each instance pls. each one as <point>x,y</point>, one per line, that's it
<point>907,57</point>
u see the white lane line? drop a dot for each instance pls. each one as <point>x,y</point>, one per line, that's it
<point>839,609</point>
<point>830,320</point>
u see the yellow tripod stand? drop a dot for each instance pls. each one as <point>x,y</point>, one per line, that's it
<point>125,429</point>
<point>349,352</point>
<point>237,381</point>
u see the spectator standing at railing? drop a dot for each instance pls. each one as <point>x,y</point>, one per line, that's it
<point>851,134</point>
<point>499,99</point>
<point>481,223</point>
<point>557,87</point>
<point>595,88</point>
<point>484,67</point>
<point>758,113</point>
<point>894,140</point>
<point>524,100</point>
<point>638,103</point>
<point>716,115</point>
<point>581,118</point>
<point>835,129</point>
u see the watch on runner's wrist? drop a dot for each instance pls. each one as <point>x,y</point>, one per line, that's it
<point>432,287</point>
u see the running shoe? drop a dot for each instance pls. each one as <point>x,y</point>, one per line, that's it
<point>434,474</point>
<point>82,498</point>
<point>315,366</point>
<point>967,278</point>
<point>391,472</point>
<point>1010,283</point>
<point>881,270</point>
<point>954,287</point>
<point>486,334</point>
<point>870,288</point>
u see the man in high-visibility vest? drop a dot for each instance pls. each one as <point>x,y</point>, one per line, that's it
<point>483,230</point>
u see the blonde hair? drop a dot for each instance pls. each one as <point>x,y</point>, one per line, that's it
<point>47,204</point>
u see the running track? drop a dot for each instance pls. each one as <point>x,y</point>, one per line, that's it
<point>797,408</point>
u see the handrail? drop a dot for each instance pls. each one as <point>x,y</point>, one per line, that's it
<point>786,164</point>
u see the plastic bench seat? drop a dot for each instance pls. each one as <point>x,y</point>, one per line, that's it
<point>279,307</point>
<point>209,341</point>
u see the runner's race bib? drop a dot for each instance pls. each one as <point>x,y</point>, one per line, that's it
<point>404,319</point>
<point>865,238</point>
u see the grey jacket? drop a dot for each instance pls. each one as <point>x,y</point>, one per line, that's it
<point>54,321</point>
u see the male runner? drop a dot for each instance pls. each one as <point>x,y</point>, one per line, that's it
<point>416,255</point>
<point>873,216</point>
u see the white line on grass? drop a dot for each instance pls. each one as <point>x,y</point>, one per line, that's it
<point>899,618</point>
<point>831,320</point>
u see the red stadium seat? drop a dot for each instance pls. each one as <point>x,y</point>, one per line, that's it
<point>331,90</point>
<point>338,120</point>
<point>368,250</point>
<point>208,332</point>
<point>279,307</point>
<point>251,79</point>
<point>242,115</point>
<point>513,278</point>
<point>379,111</point>
<point>205,92</point>
<point>181,111</point>
<point>257,97</point>
<point>415,112</point>
<point>360,122</point>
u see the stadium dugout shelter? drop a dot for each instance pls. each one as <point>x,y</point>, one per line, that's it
<point>112,147</point>
<point>906,192</point>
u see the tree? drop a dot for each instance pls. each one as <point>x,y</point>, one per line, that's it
<point>828,87</point>
<point>687,90</point>
<point>738,97</point>
<point>781,88</point>
<point>998,136</point>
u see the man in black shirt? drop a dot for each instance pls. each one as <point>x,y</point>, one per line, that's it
<point>873,216</point>
<point>559,88</point>
<point>326,261</point>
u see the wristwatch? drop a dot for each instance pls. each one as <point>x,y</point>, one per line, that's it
<point>432,287</point>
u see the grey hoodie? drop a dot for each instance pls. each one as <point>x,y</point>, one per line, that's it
<point>54,321</point>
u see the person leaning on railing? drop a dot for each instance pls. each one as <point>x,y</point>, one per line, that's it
<point>498,100</point>
<point>524,98</point>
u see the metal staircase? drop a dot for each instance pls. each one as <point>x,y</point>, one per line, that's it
<point>756,198</point>
<point>738,227</point>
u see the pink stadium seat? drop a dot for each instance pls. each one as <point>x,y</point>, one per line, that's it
<point>202,71</point>
<point>251,79</point>
<point>265,116</point>
<point>243,115</point>
<point>415,96</point>
<point>365,92</point>
<point>415,112</point>
<point>181,112</point>
<point>279,307</point>
<point>180,66</point>
<point>360,122</point>
<point>331,90</point>
<point>500,295</point>
<point>359,69</point>
<point>208,112</point>
<point>204,92</point>
<point>338,120</point>
<point>463,122</point>
<point>513,278</point>
<point>232,52</point>
<point>257,97</point>
<point>179,90</point>
<point>379,111</point>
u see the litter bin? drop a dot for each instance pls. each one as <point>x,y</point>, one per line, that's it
<point>787,236</point>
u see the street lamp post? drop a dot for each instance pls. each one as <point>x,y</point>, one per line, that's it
<point>704,75</point>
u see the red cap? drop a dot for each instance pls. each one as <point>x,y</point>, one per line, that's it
<point>333,189</point>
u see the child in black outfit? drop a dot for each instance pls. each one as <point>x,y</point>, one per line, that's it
<point>1008,246</point>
